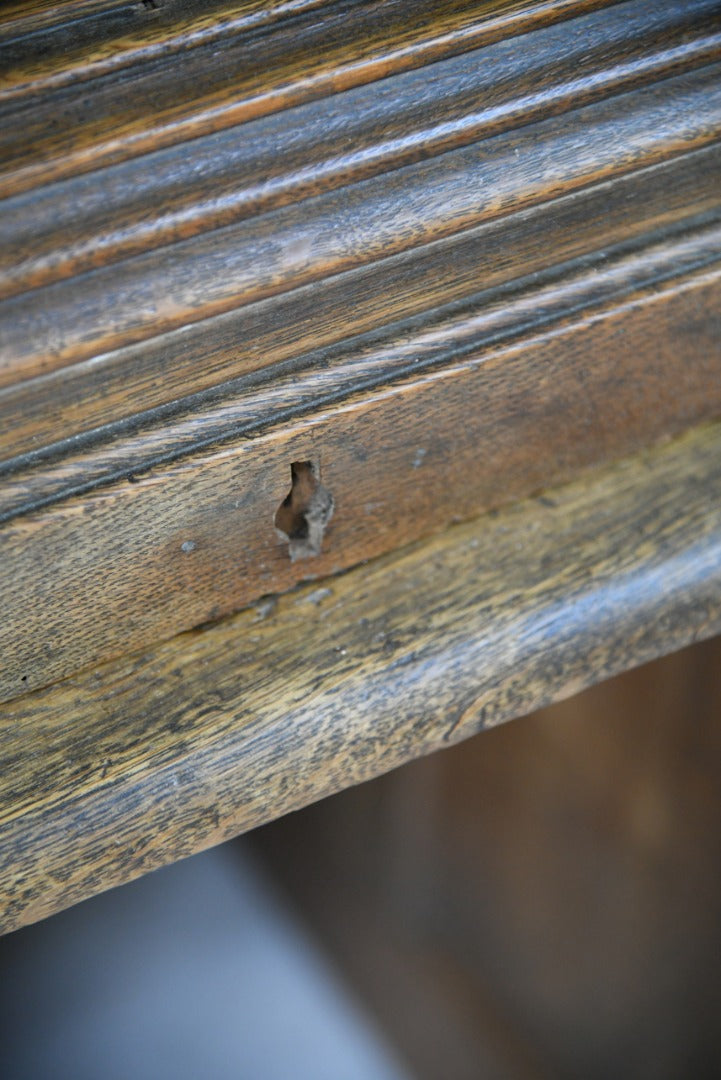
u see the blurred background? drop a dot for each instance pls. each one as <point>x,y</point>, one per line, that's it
<point>541,901</point>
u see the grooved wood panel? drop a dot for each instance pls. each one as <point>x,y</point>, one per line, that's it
<point>168,751</point>
<point>260,58</point>
<point>449,254</point>
<point>437,157</point>
<point>137,385</point>
<point>106,265</point>
<point>333,142</point>
<point>497,424</point>
<point>204,276</point>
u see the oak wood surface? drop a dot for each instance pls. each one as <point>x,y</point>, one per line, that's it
<point>402,460</point>
<point>436,256</point>
<point>272,57</point>
<point>215,180</point>
<point>108,775</point>
<point>99,269</point>
<point>150,305</point>
<point>208,356</point>
<point>476,326</point>
<point>204,276</point>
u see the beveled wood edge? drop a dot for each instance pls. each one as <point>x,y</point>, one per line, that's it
<point>151,758</point>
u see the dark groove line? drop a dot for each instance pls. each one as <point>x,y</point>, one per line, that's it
<point>383,377</point>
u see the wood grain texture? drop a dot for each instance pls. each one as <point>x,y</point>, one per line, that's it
<point>433,339</point>
<point>107,265</point>
<point>73,226</point>
<point>403,459</point>
<point>148,301</point>
<point>145,760</point>
<point>163,373</point>
<point>441,255</point>
<point>258,59</point>
<point>317,238</point>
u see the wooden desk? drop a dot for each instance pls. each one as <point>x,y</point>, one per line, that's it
<point>462,259</point>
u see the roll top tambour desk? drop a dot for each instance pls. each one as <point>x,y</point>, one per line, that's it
<point>456,267</point>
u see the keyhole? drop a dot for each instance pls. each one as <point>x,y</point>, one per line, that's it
<point>303,515</point>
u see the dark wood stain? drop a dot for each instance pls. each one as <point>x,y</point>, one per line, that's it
<point>166,752</point>
<point>204,276</point>
<point>222,178</point>
<point>590,224</point>
<point>270,64</point>
<point>495,426</point>
<point>450,254</point>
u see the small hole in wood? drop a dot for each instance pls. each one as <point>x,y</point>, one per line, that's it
<point>303,516</point>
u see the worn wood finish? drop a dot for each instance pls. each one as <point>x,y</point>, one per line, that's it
<point>174,237</point>
<point>402,460</point>
<point>272,57</point>
<point>284,330</point>
<point>111,774</point>
<point>204,276</point>
<point>195,291</point>
<point>222,178</point>
<point>475,328</point>
<point>438,257</point>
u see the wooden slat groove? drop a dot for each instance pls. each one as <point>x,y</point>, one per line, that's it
<point>323,236</point>
<point>198,358</point>
<point>306,59</point>
<point>479,327</point>
<point>225,177</point>
<point>63,54</point>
